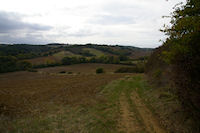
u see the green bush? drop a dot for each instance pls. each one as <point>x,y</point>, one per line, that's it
<point>157,73</point>
<point>24,65</point>
<point>69,72</point>
<point>125,70</point>
<point>99,70</point>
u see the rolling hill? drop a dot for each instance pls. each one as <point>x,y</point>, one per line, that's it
<point>21,56</point>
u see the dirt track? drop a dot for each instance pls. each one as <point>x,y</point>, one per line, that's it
<point>129,122</point>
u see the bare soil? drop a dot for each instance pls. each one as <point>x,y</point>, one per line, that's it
<point>32,92</point>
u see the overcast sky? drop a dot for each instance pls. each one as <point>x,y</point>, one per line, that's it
<point>123,22</point>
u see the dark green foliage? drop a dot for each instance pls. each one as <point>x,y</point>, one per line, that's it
<point>62,72</point>
<point>86,53</point>
<point>144,58</point>
<point>103,59</point>
<point>123,58</point>
<point>134,69</point>
<point>127,63</point>
<point>140,67</point>
<point>53,64</point>
<point>179,57</point>
<point>73,60</point>
<point>99,70</point>
<point>184,51</point>
<point>125,70</point>
<point>10,64</point>
<point>24,65</point>
<point>23,51</point>
<point>67,61</point>
<point>137,67</point>
<point>157,73</point>
<point>76,49</point>
<point>40,66</point>
<point>32,70</point>
<point>69,72</point>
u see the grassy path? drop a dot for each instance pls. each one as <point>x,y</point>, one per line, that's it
<point>150,122</point>
<point>134,115</point>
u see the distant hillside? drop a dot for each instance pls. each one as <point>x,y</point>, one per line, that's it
<point>25,51</point>
<point>64,54</point>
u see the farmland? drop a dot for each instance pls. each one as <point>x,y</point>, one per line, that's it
<point>79,101</point>
<point>68,97</point>
<point>24,94</point>
<point>25,90</point>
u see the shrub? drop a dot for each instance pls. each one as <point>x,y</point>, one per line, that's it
<point>135,69</point>
<point>24,65</point>
<point>157,73</point>
<point>125,70</point>
<point>62,72</point>
<point>32,70</point>
<point>99,70</point>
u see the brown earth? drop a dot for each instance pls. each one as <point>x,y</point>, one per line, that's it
<point>33,92</point>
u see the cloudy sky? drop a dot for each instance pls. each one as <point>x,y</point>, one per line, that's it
<point>123,22</point>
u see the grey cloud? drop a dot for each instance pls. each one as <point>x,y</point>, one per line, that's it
<point>10,22</point>
<point>27,38</point>
<point>14,30</point>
